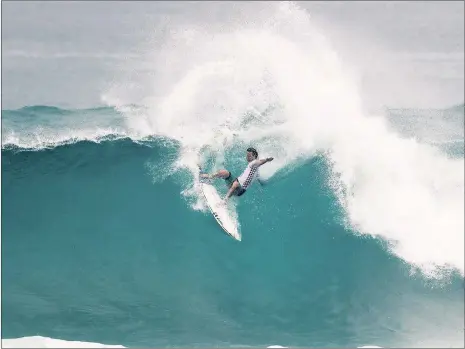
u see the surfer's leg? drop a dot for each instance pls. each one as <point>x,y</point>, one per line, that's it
<point>232,189</point>
<point>225,174</point>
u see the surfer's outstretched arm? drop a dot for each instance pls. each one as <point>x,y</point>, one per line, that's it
<point>264,161</point>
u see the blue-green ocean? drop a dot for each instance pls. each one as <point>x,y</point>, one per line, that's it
<point>356,237</point>
<point>104,239</point>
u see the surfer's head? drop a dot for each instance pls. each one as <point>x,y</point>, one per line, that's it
<point>252,154</point>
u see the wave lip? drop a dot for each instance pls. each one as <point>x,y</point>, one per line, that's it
<point>39,142</point>
<point>42,126</point>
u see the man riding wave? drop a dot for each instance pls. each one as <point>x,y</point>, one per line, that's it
<point>239,185</point>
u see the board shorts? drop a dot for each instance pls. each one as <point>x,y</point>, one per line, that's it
<point>239,190</point>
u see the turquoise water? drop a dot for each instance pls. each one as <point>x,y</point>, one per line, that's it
<point>99,244</point>
<point>357,237</point>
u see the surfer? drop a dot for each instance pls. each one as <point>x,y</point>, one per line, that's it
<point>238,186</point>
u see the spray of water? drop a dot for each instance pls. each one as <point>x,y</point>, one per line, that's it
<point>271,79</point>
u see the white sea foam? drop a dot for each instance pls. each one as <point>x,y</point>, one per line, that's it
<point>45,342</point>
<point>276,82</point>
<point>40,139</point>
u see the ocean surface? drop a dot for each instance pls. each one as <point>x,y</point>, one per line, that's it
<point>355,239</point>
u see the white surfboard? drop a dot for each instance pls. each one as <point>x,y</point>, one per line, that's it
<point>219,211</point>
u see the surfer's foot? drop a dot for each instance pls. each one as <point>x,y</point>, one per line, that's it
<point>205,175</point>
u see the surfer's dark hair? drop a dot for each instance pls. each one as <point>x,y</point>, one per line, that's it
<point>253,151</point>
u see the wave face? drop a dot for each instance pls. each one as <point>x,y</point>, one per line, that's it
<point>357,237</point>
<point>100,245</point>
